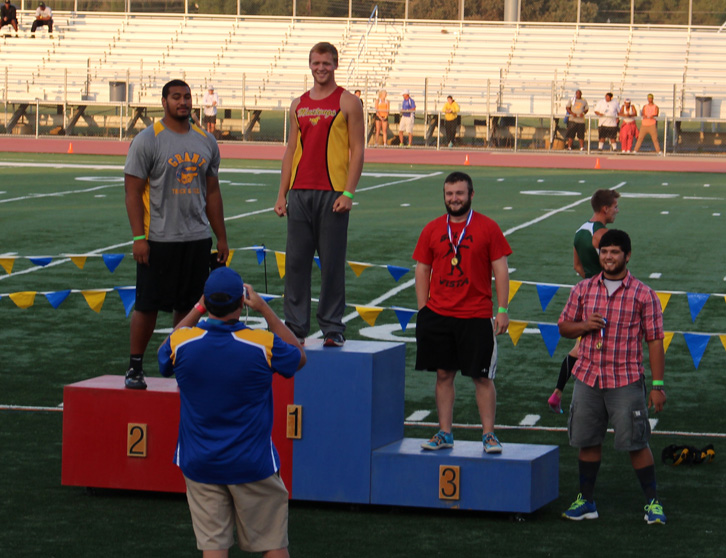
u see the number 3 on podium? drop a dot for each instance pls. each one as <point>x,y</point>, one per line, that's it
<point>449,477</point>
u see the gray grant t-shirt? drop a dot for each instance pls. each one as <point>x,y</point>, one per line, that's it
<point>176,167</point>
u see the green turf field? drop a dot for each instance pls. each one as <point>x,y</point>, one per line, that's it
<point>62,205</point>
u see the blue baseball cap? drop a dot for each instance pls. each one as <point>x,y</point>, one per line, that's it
<point>224,281</point>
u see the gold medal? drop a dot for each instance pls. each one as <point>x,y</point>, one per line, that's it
<point>598,345</point>
<point>454,260</point>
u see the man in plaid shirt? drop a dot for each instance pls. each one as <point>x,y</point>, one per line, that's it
<point>612,313</point>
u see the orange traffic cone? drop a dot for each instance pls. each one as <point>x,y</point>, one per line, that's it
<point>597,163</point>
<point>466,160</point>
<point>70,148</point>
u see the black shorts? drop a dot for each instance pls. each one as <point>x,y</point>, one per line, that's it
<point>575,129</point>
<point>447,343</point>
<point>608,132</point>
<point>175,276</point>
<point>209,119</point>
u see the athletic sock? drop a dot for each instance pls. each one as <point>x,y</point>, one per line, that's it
<point>646,476</point>
<point>137,362</point>
<point>565,371</point>
<point>588,476</point>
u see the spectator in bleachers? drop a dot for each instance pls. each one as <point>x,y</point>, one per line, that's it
<point>629,129</point>
<point>577,108</point>
<point>43,16</point>
<point>383,107</point>
<point>451,119</point>
<point>408,115</point>
<point>321,167</point>
<point>9,16</point>
<point>607,109</point>
<point>210,102</point>
<point>648,126</point>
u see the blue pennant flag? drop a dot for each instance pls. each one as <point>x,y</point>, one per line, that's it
<point>57,298</point>
<point>404,315</point>
<point>260,251</point>
<point>397,272</point>
<point>317,261</point>
<point>550,335</point>
<point>128,297</point>
<point>112,261</point>
<point>695,303</point>
<point>266,297</point>
<point>42,262</point>
<point>545,293</point>
<point>696,345</point>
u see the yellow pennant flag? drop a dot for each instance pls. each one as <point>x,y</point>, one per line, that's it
<point>667,340</point>
<point>723,340</point>
<point>516,329</point>
<point>94,299</point>
<point>24,299</point>
<point>280,257</point>
<point>229,258</point>
<point>664,298</point>
<point>513,288</point>
<point>7,264</point>
<point>80,261</point>
<point>358,267</point>
<point>369,313</point>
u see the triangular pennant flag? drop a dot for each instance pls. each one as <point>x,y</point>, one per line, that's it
<point>260,251</point>
<point>358,267</point>
<point>369,313</point>
<point>316,259</point>
<point>695,303</point>
<point>229,258</point>
<point>266,297</point>
<point>80,261</point>
<point>396,271</point>
<point>545,293</point>
<point>723,340</point>
<point>550,335</point>
<point>515,330</point>
<point>404,316</point>
<point>280,257</point>
<point>667,340</point>
<point>513,288</point>
<point>7,264</point>
<point>24,299</point>
<point>41,261</point>
<point>696,343</point>
<point>94,299</point>
<point>57,298</point>
<point>112,261</point>
<point>664,298</point>
<point>128,297</point>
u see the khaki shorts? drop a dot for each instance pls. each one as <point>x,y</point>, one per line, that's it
<point>405,125</point>
<point>258,508</point>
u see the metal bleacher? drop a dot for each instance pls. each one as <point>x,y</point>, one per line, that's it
<point>260,63</point>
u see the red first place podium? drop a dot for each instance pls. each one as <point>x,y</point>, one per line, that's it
<point>119,438</point>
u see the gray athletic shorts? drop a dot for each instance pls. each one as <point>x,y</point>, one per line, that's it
<point>625,408</point>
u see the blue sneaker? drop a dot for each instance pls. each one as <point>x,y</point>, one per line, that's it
<point>491,443</point>
<point>654,513</point>
<point>440,440</point>
<point>581,509</point>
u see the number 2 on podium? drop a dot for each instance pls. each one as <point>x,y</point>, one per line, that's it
<point>449,477</point>
<point>294,421</point>
<point>136,440</point>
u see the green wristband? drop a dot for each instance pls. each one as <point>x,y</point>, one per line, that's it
<point>503,310</point>
<point>658,383</point>
<point>347,194</point>
<point>140,237</point>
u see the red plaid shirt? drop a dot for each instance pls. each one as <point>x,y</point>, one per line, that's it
<point>633,313</point>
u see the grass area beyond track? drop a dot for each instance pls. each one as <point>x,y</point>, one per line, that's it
<point>56,206</point>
